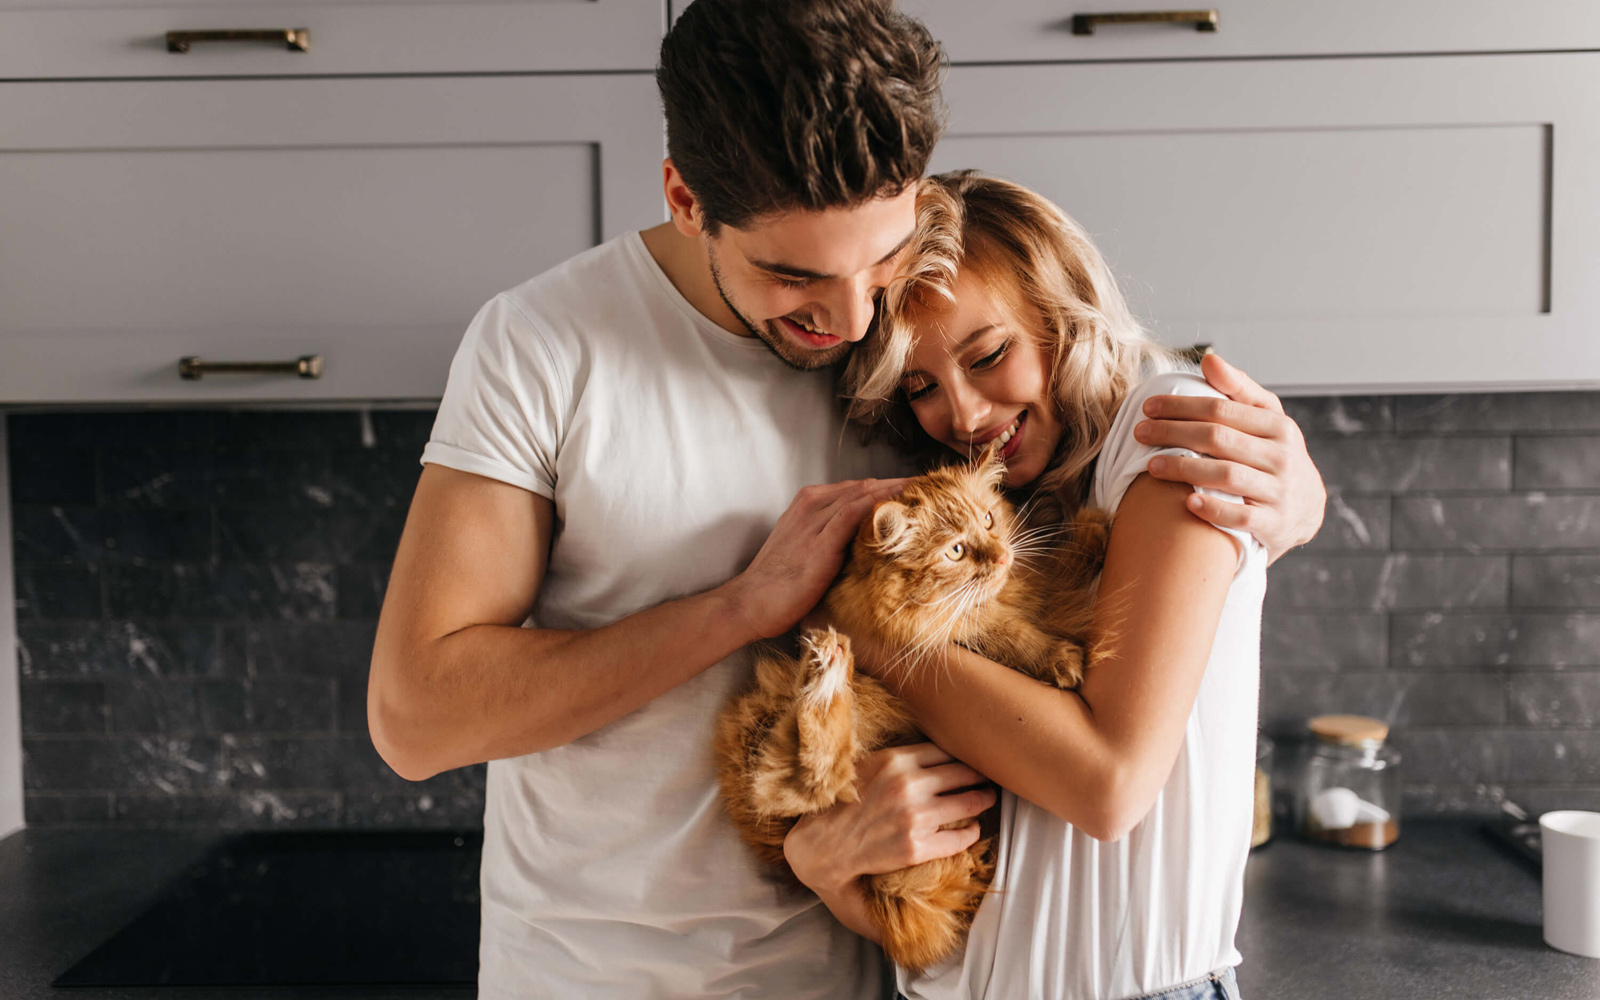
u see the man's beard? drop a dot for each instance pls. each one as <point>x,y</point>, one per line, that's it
<point>791,354</point>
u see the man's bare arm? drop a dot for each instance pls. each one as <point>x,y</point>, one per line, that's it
<point>455,680</point>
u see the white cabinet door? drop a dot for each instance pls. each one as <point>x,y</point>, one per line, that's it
<point>362,220</point>
<point>1332,225</point>
<point>1042,30</point>
<point>107,38</point>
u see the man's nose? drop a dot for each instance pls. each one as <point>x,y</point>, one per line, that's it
<point>853,313</point>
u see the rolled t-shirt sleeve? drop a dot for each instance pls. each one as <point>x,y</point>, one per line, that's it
<point>504,402</point>
<point>1124,457</point>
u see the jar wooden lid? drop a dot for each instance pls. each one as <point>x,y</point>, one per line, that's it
<point>1350,730</point>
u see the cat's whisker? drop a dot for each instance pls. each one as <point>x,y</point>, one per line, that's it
<point>928,637</point>
<point>1034,533</point>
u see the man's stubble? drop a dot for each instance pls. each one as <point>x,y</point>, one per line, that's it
<point>795,357</point>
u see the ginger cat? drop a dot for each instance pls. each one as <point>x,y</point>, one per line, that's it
<point>944,563</point>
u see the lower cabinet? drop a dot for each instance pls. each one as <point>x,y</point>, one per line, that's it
<point>362,221</point>
<point>1395,224</point>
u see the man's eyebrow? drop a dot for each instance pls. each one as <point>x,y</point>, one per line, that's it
<point>965,342</point>
<point>789,270</point>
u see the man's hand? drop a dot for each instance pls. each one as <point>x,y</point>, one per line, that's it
<point>804,553</point>
<point>906,795</point>
<point>1256,452</point>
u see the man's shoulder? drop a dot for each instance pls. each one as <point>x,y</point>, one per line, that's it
<point>585,290</point>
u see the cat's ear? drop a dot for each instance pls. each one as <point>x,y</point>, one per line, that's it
<point>891,526</point>
<point>990,466</point>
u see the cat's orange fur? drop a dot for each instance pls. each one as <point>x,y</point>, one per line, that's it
<point>789,747</point>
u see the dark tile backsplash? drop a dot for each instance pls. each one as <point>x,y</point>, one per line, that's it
<point>1454,591</point>
<point>197,593</point>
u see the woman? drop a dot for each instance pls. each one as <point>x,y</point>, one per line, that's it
<point>1125,816</point>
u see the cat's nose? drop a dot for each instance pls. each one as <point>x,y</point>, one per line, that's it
<point>1002,558</point>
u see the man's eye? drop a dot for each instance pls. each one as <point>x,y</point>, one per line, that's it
<point>791,282</point>
<point>990,360</point>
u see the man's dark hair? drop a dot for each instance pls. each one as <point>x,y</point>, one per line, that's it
<point>776,105</point>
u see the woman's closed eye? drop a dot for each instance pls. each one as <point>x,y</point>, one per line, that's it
<point>915,392</point>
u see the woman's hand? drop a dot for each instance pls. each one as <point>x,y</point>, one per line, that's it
<point>906,795</point>
<point>1256,452</point>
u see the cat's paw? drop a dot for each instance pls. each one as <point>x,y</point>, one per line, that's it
<point>1064,668</point>
<point>826,666</point>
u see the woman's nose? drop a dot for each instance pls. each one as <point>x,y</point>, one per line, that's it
<point>968,411</point>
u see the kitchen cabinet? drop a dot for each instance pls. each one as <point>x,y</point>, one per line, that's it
<point>360,219</point>
<point>1019,31</point>
<point>1421,223</point>
<point>129,38</point>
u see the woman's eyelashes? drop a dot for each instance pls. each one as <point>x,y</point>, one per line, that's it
<point>992,358</point>
<point>984,363</point>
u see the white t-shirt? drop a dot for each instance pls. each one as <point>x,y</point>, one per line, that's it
<point>669,447</point>
<point>1077,919</point>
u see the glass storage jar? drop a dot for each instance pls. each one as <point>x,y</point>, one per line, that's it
<point>1350,791</point>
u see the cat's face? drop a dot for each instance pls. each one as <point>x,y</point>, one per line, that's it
<point>947,539</point>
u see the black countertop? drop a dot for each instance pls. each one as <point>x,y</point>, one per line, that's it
<point>1442,913</point>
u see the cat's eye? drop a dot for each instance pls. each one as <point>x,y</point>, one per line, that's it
<point>988,519</point>
<point>955,552</point>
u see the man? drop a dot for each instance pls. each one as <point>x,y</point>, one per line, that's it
<point>641,450</point>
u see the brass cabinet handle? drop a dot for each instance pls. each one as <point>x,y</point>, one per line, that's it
<point>307,366</point>
<point>297,39</point>
<point>1203,20</point>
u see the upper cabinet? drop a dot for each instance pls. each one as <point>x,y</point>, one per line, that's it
<point>1048,31</point>
<point>1417,223</point>
<point>349,183</point>
<point>106,38</point>
<point>359,220</point>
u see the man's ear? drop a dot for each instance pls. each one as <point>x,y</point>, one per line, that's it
<point>681,202</point>
<point>891,526</point>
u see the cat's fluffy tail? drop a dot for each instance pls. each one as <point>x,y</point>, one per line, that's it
<point>924,911</point>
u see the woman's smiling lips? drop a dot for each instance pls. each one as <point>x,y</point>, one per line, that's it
<point>1011,433</point>
<point>805,336</point>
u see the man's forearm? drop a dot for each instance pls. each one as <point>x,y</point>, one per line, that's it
<point>487,692</point>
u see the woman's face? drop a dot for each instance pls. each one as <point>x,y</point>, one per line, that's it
<point>976,375</point>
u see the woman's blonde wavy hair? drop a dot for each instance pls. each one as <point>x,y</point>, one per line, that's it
<point>1039,261</point>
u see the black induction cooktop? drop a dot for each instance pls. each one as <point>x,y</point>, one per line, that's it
<point>306,908</point>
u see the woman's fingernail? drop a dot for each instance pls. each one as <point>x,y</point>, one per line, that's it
<point>1158,466</point>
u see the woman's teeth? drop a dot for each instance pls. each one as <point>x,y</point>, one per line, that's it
<point>1010,432</point>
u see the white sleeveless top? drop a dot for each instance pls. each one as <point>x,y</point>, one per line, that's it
<point>1078,919</point>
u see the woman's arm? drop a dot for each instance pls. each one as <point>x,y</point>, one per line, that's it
<point>1095,757</point>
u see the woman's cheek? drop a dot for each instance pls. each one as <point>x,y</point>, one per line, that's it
<point>934,422</point>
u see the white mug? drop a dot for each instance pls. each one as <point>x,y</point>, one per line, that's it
<point>1572,881</point>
